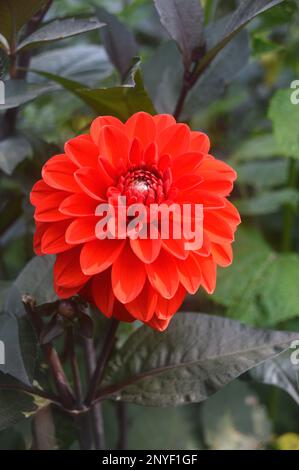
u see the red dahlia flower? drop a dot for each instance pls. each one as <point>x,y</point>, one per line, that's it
<point>149,160</point>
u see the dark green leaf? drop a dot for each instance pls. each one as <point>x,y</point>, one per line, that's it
<point>184,23</point>
<point>20,347</point>
<point>60,29</point>
<point>120,101</point>
<point>163,74</point>
<point>224,68</point>
<point>246,11</point>
<point>13,150</point>
<point>118,41</point>
<point>15,13</point>
<point>18,92</point>
<point>279,371</point>
<point>87,63</point>
<point>14,405</point>
<point>36,279</point>
<point>196,356</point>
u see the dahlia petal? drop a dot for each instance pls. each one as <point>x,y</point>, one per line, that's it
<point>208,269</point>
<point>128,276</point>
<point>208,199</point>
<point>92,182</point>
<point>96,256</point>
<point>163,120</point>
<point>142,126</point>
<point>102,293</point>
<point>37,238</point>
<point>78,205</point>
<point>163,275</point>
<point>58,172</point>
<point>146,250</point>
<point>211,166</point>
<point>136,152</point>
<point>190,273</point>
<point>53,239</point>
<point>100,122</point>
<point>151,154</point>
<point>39,191</point>
<point>165,308</point>
<point>81,230</point>
<point>157,324</point>
<point>143,307</point>
<point>199,142</point>
<point>186,163</point>
<point>67,269</point>
<point>174,140</point>
<point>221,187</point>
<point>114,144</point>
<point>218,229</point>
<point>188,182</point>
<point>66,292</point>
<point>230,213</point>
<point>82,151</point>
<point>222,254</point>
<point>176,247</point>
<point>48,209</point>
<point>121,313</point>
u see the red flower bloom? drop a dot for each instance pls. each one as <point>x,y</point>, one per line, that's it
<point>148,160</point>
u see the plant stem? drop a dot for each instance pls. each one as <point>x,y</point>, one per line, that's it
<point>102,361</point>
<point>289,212</point>
<point>43,430</point>
<point>96,409</point>
<point>75,367</point>
<point>122,417</point>
<point>50,353</point>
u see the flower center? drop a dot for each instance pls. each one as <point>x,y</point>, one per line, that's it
<point>142,186</point>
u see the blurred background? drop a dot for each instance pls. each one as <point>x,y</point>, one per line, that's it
<point>242,102</point>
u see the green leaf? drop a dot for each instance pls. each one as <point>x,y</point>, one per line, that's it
<point>19,92</point>
<point>246,11</point>
<point>263,174</point>
<point>14,14</point>
<point>35,279</point>
<point>223,69</point>
<point>261,286</point>
<point>87,63</point>
<point>119,42</point>
<point>184,22</point>
<point>163,76</point>
<point>3,63</point>
<point>13,150</point>
<point>14,405</point>
<point>258,147</point>
<point>280,372</point>
<point>268,202</point>
<point>196,356</point>
<point>120,101</point>
<point>285,117</point>
<point>59,29</point>
<point>242,424</point>
<point>20,347</point>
